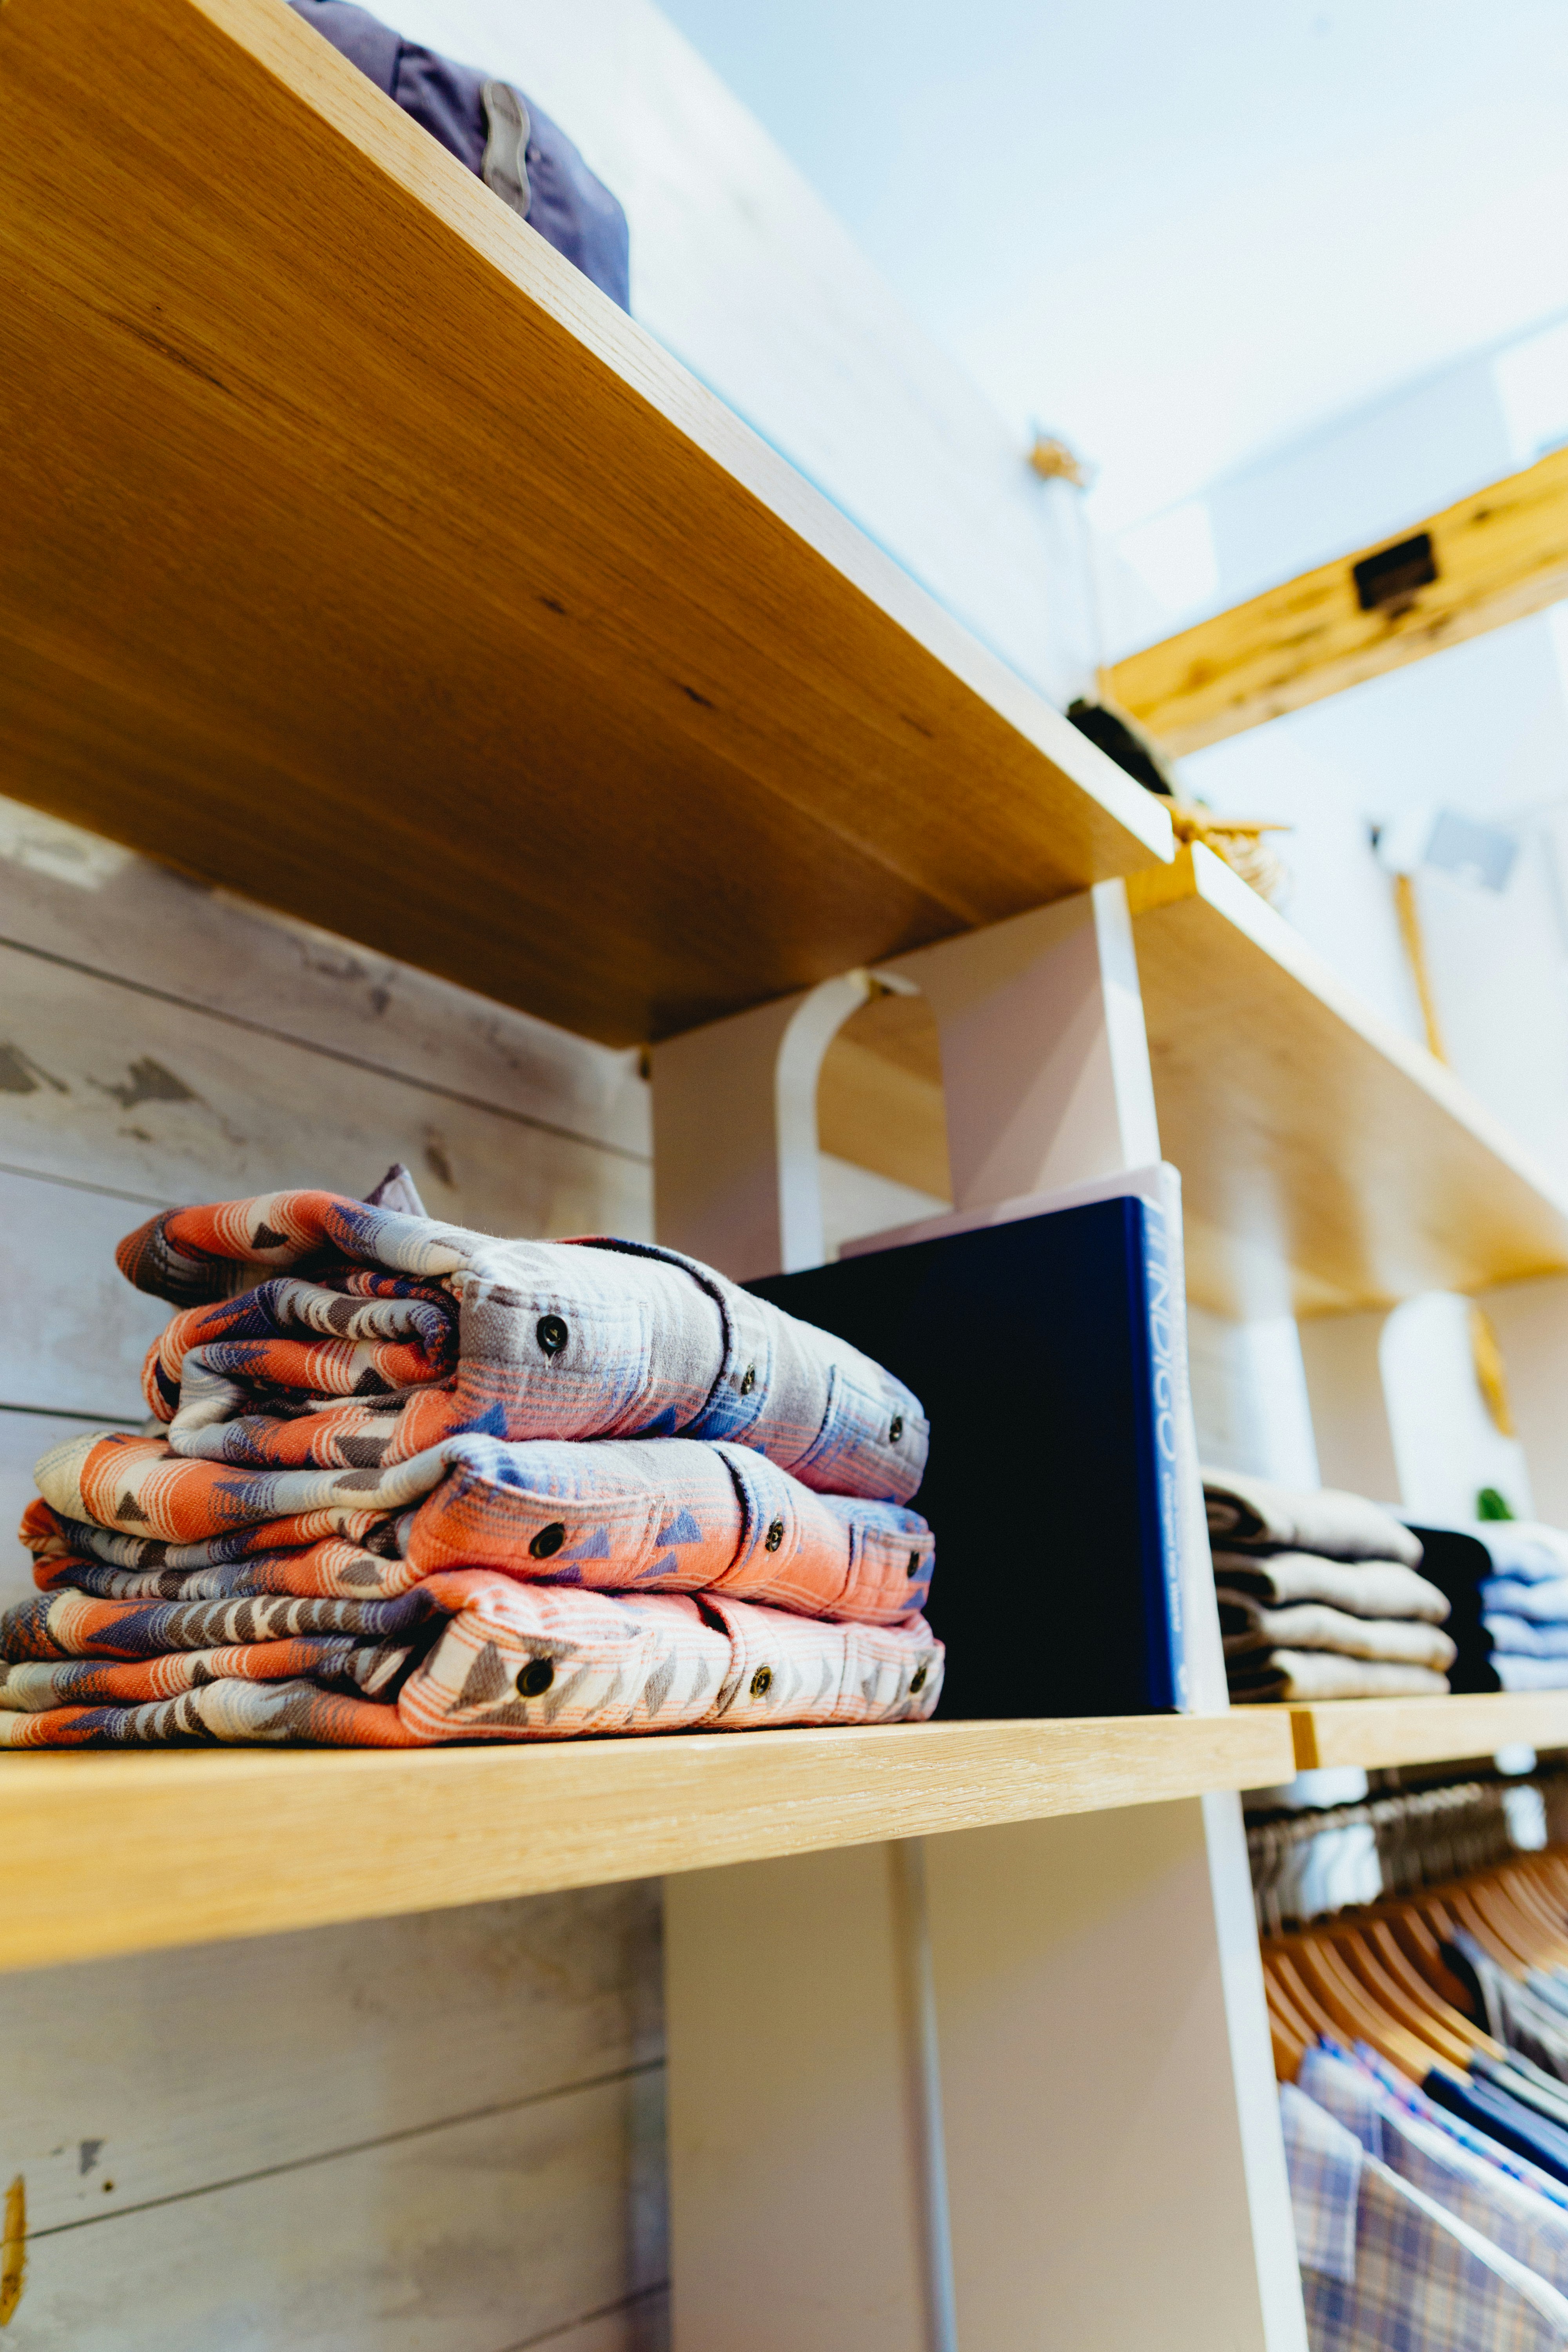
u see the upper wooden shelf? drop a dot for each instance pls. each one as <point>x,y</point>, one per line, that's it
<point>125,1852</point>
<point>361,556</point>
<point>1327,1163</point>
<point>1381,1732</point>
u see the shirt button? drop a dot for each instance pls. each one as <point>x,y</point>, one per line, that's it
<point>548,1541</point>
<point>536,1678</point>
<point>552,1334</point>
<point>748,1379</point>
<point>916,1682</point>
<point>897,1430</point>
<point>774,1536</point>
<point>914,1566</point>
<point>762,1682</point>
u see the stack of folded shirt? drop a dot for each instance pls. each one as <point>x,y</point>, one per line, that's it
<point>1524,1602</point>
<point>420,1485</point>
<point>1318,1597</point>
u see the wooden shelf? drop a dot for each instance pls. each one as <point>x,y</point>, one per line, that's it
<point>119,1854</point>
<point>1379,1732</point>
<point>1327,1163</point>
<point>362,557</point>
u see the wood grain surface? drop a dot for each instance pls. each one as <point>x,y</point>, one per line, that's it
<point>1327,1163</point>
<point>1500,554</point>
<point>1378,1732</point>
<point>114,1854</point>
<point>432,600</point>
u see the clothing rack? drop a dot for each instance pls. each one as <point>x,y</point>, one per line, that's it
<point>1309,1864</point>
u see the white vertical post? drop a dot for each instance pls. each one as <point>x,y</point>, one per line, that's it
<point>807,2072</point>
<point>1531,1319</point>
<point>1045,1060</point>
<point>797,2193</point>
<point>735,1133</point>
<point>1342,1356</point>
<point>1114,2142</point>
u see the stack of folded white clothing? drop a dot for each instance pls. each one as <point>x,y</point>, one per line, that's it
<point>1524,1602</point>
<point>1319,1595</point>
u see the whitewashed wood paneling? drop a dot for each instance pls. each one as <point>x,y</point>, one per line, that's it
<point>74,1332</point>
<point>436,2134</point>
<point>166,1101</point>
<point>131,2080</point>
<point>474,2236</point>
<point>67,893</point>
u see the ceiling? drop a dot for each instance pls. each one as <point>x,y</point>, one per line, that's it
<point>1180,237</point>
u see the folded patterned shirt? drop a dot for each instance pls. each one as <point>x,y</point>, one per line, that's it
<point>1366,1588</point>
<point>126,1517</point>
<point>1248,1629</point>
<point>465,1655</point>
<point>1253,1514</point>
<point>363,1336</point>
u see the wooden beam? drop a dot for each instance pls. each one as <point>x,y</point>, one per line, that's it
<point>1497,556</point>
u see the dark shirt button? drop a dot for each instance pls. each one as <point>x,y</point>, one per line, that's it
<point>552,1334</point>
<point>917,1681</point>
<point>914,1567</point>
<point>536,1678</point>
<point>762,1682</point>
<point>897,1430</point>
<point>550,1540</point>
<point>748,1379</point>
<point>774,1536</point>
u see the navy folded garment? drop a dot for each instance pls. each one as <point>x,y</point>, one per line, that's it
<point>499,134</point>
<point>1505,2118</point>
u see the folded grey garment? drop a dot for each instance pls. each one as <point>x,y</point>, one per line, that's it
<point>1256,1516</point>
<point>1308,1675</point>
<point>1367,1587</point>
<point>1402,1640</point>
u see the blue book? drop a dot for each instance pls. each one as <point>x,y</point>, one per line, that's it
<point>1046,1352</point>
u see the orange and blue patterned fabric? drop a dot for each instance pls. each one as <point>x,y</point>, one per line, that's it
<point>365,1336</point>
<point>469,1655</point>
<point>125,1517</point>
<point>419,1485</point>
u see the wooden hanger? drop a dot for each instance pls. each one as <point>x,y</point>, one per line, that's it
<point>1358,2018</point>
<point>1421,2016</point>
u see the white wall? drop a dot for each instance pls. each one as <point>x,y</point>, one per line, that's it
<point>741,271</point>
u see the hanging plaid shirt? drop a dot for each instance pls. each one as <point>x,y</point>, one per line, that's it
<point>1385,2269</point>
<point>1528,2226</point>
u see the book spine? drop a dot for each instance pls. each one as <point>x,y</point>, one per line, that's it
<point>1167,1392</point>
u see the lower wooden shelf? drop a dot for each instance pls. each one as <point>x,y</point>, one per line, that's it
<point>120,1854</point>
<point>1379,1732</point>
